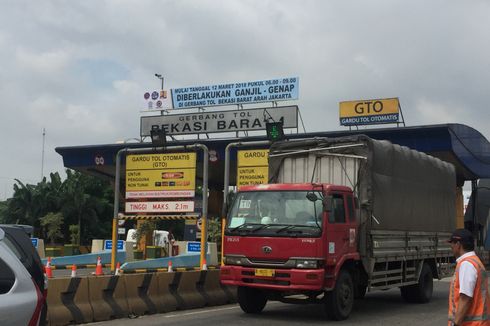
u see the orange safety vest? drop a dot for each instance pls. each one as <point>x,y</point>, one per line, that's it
<point>478,314</point>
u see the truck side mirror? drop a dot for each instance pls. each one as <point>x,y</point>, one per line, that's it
<point>356,203</point>
<point>311,197</point>
<point>327,203</point>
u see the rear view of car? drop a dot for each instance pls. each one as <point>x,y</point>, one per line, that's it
<point>22,282</point>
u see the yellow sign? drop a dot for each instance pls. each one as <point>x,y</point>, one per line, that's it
<point>158,161</point>
<point>161,175</point>
<point>369,111</point>
<point>253,167</point>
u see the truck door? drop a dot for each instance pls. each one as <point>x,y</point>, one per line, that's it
<point>341,228</point>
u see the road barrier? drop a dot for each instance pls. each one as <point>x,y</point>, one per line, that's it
<point>68,301</point>
<point>88,299</point>
<point>140,289</point>
<point>107,297</point>
<point>185,289</point>
<point>212,290</point>
<point>166,301</point>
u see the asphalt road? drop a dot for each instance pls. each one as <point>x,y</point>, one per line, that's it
<point>378,308</point>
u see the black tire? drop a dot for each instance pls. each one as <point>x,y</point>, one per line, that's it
<point>339,301</point>
<point>251,300</point>
<point>360,291</point>
<point>422,291</point>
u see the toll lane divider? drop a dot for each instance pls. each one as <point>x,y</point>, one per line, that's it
<point>85,259</point>
<point>68,301</point>
<point>107,297</point>
<point>185,261</point>
<point>87,299</point>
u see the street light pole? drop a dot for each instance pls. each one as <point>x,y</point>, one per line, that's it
<point>42,155</point>
<point>159,76</point>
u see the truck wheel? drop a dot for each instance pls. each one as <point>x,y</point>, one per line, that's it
<point>339,301</point>
<point>360,291</point>
<point>252,301</point>
<point>422,291</point>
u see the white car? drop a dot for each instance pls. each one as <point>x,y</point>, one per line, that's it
<point>21,300</point>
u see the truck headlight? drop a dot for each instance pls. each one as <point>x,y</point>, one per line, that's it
<point>233,260</point>
<point>307,263</point>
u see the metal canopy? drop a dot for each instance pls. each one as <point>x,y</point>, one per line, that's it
<point>458,144</point>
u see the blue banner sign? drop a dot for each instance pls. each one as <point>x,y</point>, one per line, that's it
<point>108,244</point>
<point>193,247</point>
<point>272,90</point>
<point>35,242</point>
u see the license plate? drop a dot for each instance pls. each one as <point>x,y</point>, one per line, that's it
<point>264,272</point>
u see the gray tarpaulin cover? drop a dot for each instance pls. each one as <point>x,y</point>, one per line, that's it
<point>482,212</point>
<point>403,189</point>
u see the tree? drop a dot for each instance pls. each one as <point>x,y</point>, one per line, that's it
<point>82,200</point>
<point>87,204</point>
<point>3,211</point>
<point>74,234</point>
<point>53,222</point>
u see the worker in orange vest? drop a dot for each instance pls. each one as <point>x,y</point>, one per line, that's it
<point>469,300</point>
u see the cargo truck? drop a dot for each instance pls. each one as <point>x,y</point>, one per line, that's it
<point>339,217</point>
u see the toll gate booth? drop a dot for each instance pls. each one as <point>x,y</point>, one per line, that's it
<point>466,148</point>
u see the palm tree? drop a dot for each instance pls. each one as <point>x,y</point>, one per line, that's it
<point>24,207</point>
<point>88,203</point>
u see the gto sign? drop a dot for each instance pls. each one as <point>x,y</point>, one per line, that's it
<point>365,112</point>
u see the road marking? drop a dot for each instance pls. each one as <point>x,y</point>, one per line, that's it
<point>200,312</point>
<point>211,310</point>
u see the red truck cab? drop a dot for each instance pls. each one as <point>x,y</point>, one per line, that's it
<point>289,239</point>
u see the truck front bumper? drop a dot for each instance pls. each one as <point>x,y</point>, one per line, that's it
<point>281,280</point>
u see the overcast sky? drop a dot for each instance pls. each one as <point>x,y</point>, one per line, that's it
<point>79,68</point>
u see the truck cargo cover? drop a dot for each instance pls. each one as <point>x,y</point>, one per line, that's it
<point>398,188</point>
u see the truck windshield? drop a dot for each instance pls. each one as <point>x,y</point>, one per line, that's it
<point>277,211</point>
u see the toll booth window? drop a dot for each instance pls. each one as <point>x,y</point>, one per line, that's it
<point>337,215</point>
<point>7,277</point>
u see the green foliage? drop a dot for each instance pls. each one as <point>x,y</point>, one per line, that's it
<point>214,230</point>
<point>74,234</point>
<point>52,222</point>
<point>3,211</point>
<point>81,199</point>
<point>144,229</point>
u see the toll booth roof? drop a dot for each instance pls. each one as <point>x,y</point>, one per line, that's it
<point>458,144</point>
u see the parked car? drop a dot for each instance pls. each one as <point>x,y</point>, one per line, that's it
<point>23,285</point>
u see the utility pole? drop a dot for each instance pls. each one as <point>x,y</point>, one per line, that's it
<point>42,154</point>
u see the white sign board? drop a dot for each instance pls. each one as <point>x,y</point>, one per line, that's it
<point>220,121</point>
<point>160,207</point>
<point>156,100</point>
<point>271,90</point>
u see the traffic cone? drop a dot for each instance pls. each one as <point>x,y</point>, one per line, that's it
<point>118,269</point>
<point>98,268</point>
<point>204,265</point>
<point>73,270</point>
<point>47,268</point>
<point>170,266</point>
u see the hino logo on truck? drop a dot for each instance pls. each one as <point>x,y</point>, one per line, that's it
<point>266,249</point>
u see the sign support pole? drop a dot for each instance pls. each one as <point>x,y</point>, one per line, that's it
<point>227,183</point>
<point>159,149</point>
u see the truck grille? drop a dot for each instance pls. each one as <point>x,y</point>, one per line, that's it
<point>262,261</point>
<point>263,281</point>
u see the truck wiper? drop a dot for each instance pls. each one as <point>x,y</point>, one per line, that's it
<point>289,227</point>
<point>248,227</point>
